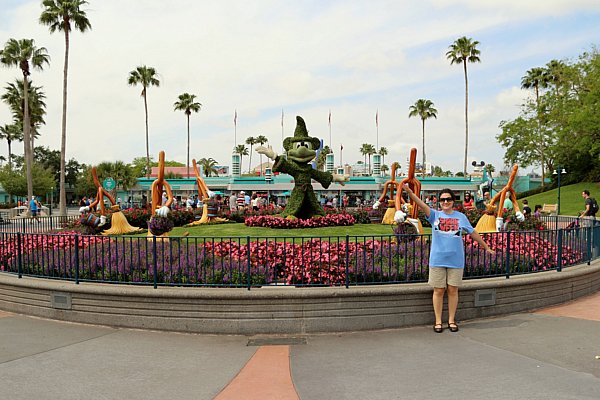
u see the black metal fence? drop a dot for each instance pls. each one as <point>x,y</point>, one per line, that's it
<point>298,261</point>
<point>37,224</point>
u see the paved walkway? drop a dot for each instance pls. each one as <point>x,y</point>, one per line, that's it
<point>550,354</point>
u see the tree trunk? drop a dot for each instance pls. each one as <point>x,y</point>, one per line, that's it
<point>62,210</point>
<point>9,156</point>
<point>423,166</point>
<point>466,118</point>
<point>147,145</point>
<point>188,146</point>
<point>27,150</point>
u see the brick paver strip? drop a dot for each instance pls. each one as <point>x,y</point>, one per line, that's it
<point>583,308</point>
<point>266,376</point>
<point>4,314</point>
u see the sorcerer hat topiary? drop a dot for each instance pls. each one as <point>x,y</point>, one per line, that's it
<point>301,135</point>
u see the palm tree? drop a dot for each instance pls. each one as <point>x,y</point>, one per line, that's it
<point>364,150</point>
<point>555,74</point>
<point>208,165</point>
<point>10,133</point>
<point>462,51</point>
<point>383,152</point>
<point>63,15</point>
<point>24,55</point>
<point>384,169</point>
<point>535,79</point>
<point>425,110</point>
<point>187,104</point>
<point>242,150</point>
<point>146,76</point>
<point>260,139</point>
<point>251,141</point>
<point>15,99</point>
<point>370,151</point>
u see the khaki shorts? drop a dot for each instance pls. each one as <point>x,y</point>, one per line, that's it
<point>439,277</point>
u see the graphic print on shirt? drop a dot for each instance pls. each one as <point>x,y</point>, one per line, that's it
<point>447,225</point>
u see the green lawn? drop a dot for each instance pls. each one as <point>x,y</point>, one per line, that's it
<point>238,229</point>
<point>571,202</point>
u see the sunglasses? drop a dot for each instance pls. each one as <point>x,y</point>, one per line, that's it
<point>446,200</point>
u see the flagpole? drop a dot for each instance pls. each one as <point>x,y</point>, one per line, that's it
<point>282,149</point>
<point>330,142</point>
<point>235,130</point>
<point>341,148</point>
<point>377,126</point>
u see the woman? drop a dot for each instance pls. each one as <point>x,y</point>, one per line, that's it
<point>468,202</point>
<point>447,257</point>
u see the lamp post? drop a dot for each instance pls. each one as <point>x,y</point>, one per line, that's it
<point>558,171</point>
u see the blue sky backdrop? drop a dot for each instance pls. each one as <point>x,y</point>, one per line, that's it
<point>309,57</point>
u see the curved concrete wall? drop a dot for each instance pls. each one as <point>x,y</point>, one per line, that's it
<point>274,310</point>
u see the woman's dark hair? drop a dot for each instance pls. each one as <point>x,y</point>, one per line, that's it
<point>449,191</point>
<point>538,207</point>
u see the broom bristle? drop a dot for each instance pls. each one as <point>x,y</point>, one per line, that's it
<point>120,225</point>
<point>487,223</point>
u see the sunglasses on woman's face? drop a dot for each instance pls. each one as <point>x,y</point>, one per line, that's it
<point>446,200</point>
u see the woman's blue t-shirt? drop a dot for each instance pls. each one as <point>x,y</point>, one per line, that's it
<point>447,249</point>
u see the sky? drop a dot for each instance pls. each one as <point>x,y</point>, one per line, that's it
<point>354,59</point>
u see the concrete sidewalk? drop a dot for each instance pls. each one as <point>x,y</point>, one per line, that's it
<point>545,355</point>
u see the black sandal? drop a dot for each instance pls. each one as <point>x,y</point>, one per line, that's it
<point>452,326</point>
<point>438,328</point>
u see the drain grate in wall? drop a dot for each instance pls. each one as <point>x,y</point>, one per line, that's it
<point>62,301</point>
<point>276,341</point>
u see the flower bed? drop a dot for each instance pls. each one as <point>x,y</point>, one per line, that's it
<point>268,221</point>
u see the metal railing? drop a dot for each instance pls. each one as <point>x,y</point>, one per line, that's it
<point>296,261</point>
<point>36,225</point>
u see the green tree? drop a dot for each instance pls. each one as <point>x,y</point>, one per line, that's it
<point>14,181</point>
<point>383,152</point>
<point>186,103</point>
<point>208,165</point>
<point>25,55</point>
<point>250,141</point>
<point>64,15</point>
<point>15,99</point>
<point>423,109</point>
<point>145,76</point>
<point>384,169</point>
<point>242,150</point>
<point>321,158</point>
<point>462,51</point>
<point>122,174</point>
<point>10,133</point>
<point>261,140</point>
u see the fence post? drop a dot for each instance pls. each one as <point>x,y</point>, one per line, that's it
<point>19,256</point>
<point>559,251</point>
<point>76,259</point>
<point>507,259</point>
<point>249,277</point>
<point>154,264</point>
<point>347,261</point>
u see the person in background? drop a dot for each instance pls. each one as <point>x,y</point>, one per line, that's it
<point>537,213</point>
<point>254,202</point>
<point>589,213</point>
<point>247,200</point>
<point>34,209</point>
<point>232,202</point>
<point>468,202</point>
<point>447,253</point>
<point>241,200</point>
<point>508,205</point>
<point>526,209</point>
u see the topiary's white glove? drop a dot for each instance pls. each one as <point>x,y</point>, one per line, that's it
<point>499,223</point>
<point>405,207</point>
<point>341,179</point>
<point>84,209</point>
<point>520,216</point>
<point>211,194</point>
<point>399,216</point>
<point>163,211</point>
<point>267,151</point>
<point>102,220</point>
<point>376,205</point>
